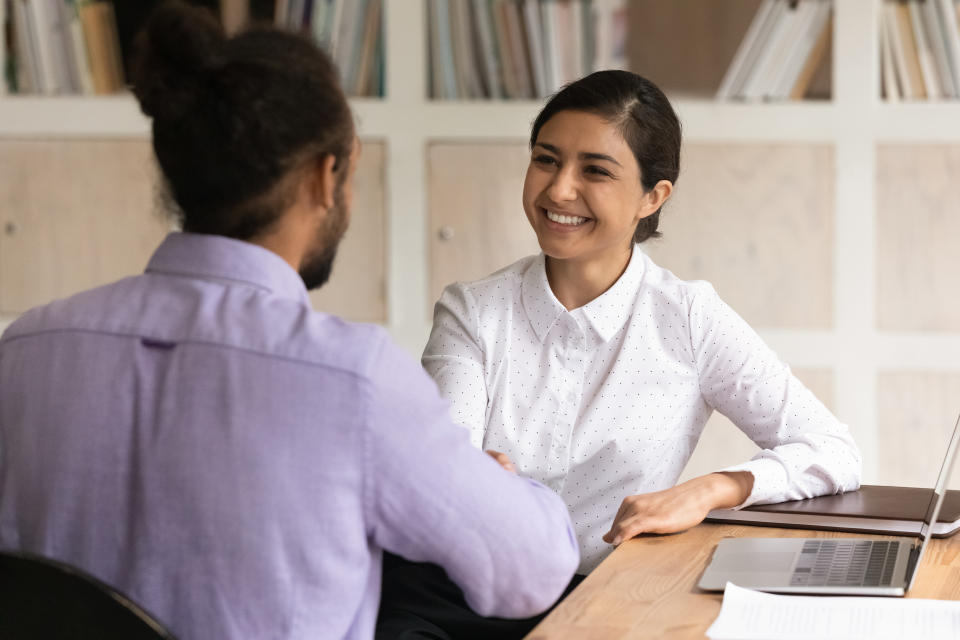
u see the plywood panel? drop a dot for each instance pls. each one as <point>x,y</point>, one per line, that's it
<point>476,218</point>
<point>757,221</point>
<point>918,260</point>
<point>916,414</point>
<point>357,287</point>
<point>723,444</point>
<point>75,214</point>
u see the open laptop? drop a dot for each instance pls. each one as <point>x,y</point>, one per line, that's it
<point>836,566</point>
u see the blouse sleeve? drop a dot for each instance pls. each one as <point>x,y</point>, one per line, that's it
<point>454,359</point>
<point>806,451</point>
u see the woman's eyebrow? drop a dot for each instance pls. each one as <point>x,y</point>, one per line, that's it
<point>586,155</point>
<point>599,156</point>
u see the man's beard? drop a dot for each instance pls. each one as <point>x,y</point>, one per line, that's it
<point>317,265</point>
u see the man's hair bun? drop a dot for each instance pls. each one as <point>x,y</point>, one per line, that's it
<point>176,53</point>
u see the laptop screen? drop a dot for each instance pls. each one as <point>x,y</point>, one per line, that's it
<point>936,499</point>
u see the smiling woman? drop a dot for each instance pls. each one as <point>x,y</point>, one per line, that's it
<point>593,370</point>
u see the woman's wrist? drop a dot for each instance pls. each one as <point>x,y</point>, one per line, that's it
<point>729,488</point>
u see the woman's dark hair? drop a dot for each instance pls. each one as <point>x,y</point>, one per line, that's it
<point>645,119</point>
<point>235,119</point>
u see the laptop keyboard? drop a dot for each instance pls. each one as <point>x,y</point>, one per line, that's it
<point>850,563</point>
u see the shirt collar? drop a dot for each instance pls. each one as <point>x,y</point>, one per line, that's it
<point>606,313</point>
<point>204,256</point>
<point>609,311</point>
<point>539,303</point>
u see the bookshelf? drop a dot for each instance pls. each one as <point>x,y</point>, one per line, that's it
<point>852,354</point>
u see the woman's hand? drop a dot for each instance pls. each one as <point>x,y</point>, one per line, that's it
<point>679,508</point>
<point>502,458</point>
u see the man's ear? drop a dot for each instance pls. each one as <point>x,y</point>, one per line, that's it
<point>324,181</point>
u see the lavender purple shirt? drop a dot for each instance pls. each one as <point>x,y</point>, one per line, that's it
<point>198,437</point>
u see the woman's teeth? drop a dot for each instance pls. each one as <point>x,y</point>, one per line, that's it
<point>571,220</point>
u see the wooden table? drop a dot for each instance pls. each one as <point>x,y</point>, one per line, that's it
<point>647,587</point>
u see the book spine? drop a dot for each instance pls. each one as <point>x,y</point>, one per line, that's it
<point>462,63</point>
<point>890,89</point>
<point>483,20</point>
<point>910,51</point>
<point>794,50</point>
<point>41,26</point>
<point>8,82</point>
<point>371,32</point>
<point>551,46</point>
<point>935,37</point>
<point>821,33</point>
<point>234,14</point>
<point>504,48</point>
<point>931,81</point>
<point>948,20</point>
<point>531,23</point>
<point>27,81</point>
<point>738,70</point>
<point>756,86</point>
<point>80,55</point>
<point>896,48</point>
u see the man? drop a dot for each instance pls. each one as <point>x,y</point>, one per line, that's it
<point>199,438</point>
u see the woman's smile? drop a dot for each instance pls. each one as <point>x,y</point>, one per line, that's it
<point>560,221</point>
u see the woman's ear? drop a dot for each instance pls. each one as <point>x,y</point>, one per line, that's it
<point>655,198</point>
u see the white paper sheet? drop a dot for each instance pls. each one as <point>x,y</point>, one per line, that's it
<point>753,615</point>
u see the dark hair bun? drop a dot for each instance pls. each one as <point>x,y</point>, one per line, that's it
<point>176,52</point>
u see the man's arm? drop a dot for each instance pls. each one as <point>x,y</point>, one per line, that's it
<point>432,497</point>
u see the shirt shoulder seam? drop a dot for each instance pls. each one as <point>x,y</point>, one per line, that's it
<point>205,343</point>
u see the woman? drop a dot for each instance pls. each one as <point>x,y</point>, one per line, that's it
<point>593,370</point>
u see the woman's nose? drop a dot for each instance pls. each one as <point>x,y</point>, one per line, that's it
<point>563,186</point>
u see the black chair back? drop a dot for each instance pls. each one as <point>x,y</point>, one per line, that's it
<point>45,599</point>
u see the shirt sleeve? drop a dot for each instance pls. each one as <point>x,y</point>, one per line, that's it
<point>454,360</point>
<point>806,451</point>
<point>506,541</point>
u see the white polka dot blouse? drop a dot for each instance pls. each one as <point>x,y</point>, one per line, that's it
<point>609,400</point>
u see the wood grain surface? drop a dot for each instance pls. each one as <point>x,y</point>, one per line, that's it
<point>647,587</point>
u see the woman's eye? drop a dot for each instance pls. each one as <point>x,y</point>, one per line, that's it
<point>544,160</point>
<point>598,171</point>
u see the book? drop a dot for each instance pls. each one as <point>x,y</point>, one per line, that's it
<point>823,28</point>
<point>234,14</point>
<point>362,81</point>
<point>904,29</point>
<point>551,45</point>
<point>8,81</point>
<point>888,75</point>
<point>534,33</point>
<point>907,82</point>
<point>487,49</point>
<point>951,36</point>
<point>931,81</point>
<point>799,45</point>
<point>468,66</point>
<point>873,509</point>
<point>504,50</point>
<point>103,49</point>
<point>609,34</point>
<point>935,37</point>
<point>743,60</point>
<point>26,62</point>
<point>773,54</point>
<point>519,49</point>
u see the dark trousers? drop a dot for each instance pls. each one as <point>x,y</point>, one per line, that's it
<point>419,601</point>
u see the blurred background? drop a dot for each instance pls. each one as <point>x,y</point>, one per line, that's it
<point>817,191</point>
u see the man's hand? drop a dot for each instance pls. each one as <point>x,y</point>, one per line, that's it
<point>502,459</point>
<point>679,508</point>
